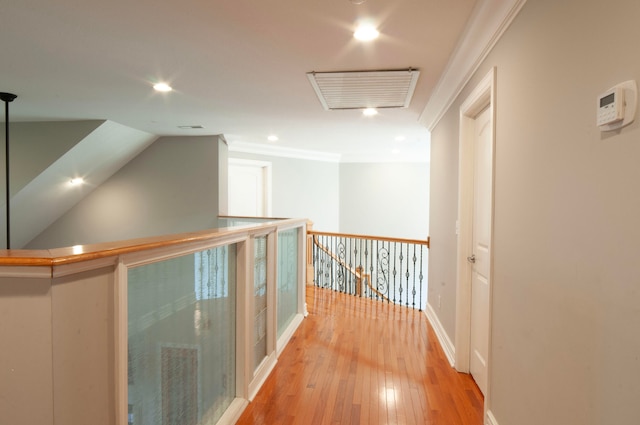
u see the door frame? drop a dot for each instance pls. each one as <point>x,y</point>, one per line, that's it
<point>267,178</point>
<point>481,97</point>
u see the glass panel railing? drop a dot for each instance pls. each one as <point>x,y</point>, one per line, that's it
<point>260,301</point>
<point>182,331</point>
<point>243,221</point>
<point>287,278</point>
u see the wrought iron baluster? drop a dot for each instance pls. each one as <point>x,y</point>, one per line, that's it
<point>384,270</point>
<point>357,260</point>
<point>401,258</point>
<point>415,259</point>
<point>339,266</point>
<point>326,283</point>
<point>352,277</point>
<point>382,276</point>
<point>395,257</point>
<point>406,274</point>
<point>421,276</point>
<point>374,278</point>
<point>333,265</point>
<point>366,257</point>
<point>314,253</point>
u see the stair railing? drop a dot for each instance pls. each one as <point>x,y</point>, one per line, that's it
<point>391,270</point>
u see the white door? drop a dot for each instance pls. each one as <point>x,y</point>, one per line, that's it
<point>480,258</point>
<point>249,188</point>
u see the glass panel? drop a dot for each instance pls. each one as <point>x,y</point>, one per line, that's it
<point>182,339</point>
<point>260,301</point>
<point>244,221</point>
<point>287,278</point>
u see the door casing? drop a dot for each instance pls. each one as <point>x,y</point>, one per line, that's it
<point>481,97</point>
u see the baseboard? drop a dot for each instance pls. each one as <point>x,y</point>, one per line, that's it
<point>491,420</point>
<point>446,344</point>
<point>284,339</point>
<point>262,373</point>
<point>233,412</point>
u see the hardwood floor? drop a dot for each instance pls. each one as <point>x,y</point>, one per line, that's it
<point>355,361</point>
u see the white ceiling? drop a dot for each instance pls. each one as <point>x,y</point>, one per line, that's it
<point>238,67</point>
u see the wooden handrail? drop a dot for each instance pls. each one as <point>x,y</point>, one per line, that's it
<point>70,255</point>
<point>377,238</point>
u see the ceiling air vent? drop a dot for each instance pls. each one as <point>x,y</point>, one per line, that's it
<point>364,89</point>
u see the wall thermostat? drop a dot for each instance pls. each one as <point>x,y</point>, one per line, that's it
<point>617,106</point>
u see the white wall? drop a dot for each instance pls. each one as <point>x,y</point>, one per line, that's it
<point>303,189</point>
<point>566,285</point>
<point>171,187</point>
<point>34,146</point>
<point>223,177</point>
<point>385,199</point>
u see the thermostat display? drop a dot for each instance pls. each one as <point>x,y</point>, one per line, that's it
<point>611,107</point>
<point>617,106</point>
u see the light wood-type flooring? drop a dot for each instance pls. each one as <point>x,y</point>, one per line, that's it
<point>356,361</point>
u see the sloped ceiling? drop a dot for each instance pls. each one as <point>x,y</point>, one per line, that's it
<point>46,193</point>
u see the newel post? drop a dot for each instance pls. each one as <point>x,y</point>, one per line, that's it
<point>310,270</point>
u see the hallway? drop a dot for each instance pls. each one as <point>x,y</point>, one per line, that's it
<point>356,361</point>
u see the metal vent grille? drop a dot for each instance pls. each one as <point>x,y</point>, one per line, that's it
<point>364,89</point>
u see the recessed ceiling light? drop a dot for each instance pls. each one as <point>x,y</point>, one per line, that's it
<point>366,32</point>
<point>163,87</point>
<point>272,138</point>
<point>369,112</point>
<point>76,181</point>
<point>400,138</point>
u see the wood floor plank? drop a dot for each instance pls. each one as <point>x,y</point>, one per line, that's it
<point>357,361</point>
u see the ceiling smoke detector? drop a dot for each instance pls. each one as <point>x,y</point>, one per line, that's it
<point>364,89</point>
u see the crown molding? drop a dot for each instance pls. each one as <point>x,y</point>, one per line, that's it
<point>407,156</point>
<point>261,149</point>
<point>367,157</point>
<point>488,21</point>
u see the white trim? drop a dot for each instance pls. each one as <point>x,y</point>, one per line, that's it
<point>488,21</point>
<point>406,155</point>
<point>121,343</point>
<point>249,162</point>
<point>244,322</point>
<point>291,329</point>
<point>262,373</point>
<point>491,420</point>
<point>233,412</point>
<point>281,151</point>
<point>483,96</point>
<point>38,272</point>
<point>446,344</point>
<point>83,266</point>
